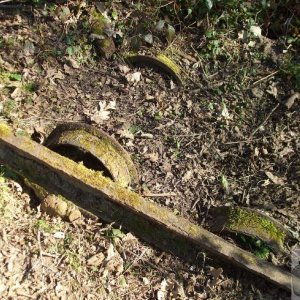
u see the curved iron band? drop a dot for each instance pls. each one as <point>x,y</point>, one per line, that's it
<point>146,60</point>
<point>99,144</point>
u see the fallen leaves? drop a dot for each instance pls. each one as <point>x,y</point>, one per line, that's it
<point>134,77</point>
<point>102,112</point>
<point>170,288</point>
<point>113,262</point>
<point>96,260</point>
<point>275,179</point>
<point>291,100</point>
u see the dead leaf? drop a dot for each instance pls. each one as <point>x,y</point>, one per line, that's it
<point>124,69</point>
<point>273,91</point>
<point>113,262</point>
<point>125,133</point>
<point>256,30</point>
<point>187,176</point>
<point>161,293</point>
<point>291,100</point>
<point>274,179</point>
<point>286,151</point>
<point>102,113</point>
<point>152,156</point>
<point>96,260</point>
<point>72,62</point>
<point>133,77</point>
<point>146,281</point>
<point>216,272</point>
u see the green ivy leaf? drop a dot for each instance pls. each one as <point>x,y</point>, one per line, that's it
<point>15,77</point>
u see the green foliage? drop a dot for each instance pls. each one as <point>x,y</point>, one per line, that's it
<point>115,234</point>
<point>257,246</point>
<point>15,77</point>
<point>291,69</point>
<point>30,87</point>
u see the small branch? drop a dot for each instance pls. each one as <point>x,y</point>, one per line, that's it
<point>135,261</point>
<point>159,195</point>
<point>265,78</point>
<point>266,119</point>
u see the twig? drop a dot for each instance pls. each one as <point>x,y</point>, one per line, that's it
<point>4,1</point>
<point>266,119</point>
<point>39,243</point>
<point>136,260</point>
<point>264,78</point>
<point>154,266</point>
<point>159,195</point>
<point>164,5</point>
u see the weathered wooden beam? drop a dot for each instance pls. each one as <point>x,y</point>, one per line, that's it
<point>101,196</point>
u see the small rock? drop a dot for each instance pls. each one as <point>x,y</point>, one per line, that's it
<point>74,215</point>
<point>54,206</point>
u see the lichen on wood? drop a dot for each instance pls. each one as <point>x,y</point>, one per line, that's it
<point>105,45</point>
<point>100,145</point>
<point>161,61</point>
<point>249,222</point>
<point>113,203</point>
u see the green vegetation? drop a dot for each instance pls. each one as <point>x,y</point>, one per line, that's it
<point>247,221</point>
<point>257,246</point>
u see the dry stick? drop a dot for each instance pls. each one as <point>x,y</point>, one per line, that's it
<point>4,1</point>
<point>266,119</point>
<point>264,78</point>
<point>135,261</point>
<point>159,195</point>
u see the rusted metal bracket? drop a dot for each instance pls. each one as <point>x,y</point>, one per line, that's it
<point>113,203</point>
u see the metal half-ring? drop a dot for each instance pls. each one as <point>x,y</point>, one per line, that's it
<point>96,149</point>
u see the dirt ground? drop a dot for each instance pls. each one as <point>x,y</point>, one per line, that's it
<point>225,138</point>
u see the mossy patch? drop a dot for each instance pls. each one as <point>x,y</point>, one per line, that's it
<point>102,147</point>
<point>4,129</point>
<point>253,223</point>
<point>169,62</point>
<point>104,44</point>
<point>98,23</point>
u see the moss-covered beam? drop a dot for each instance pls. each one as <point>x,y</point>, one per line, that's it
<point>111,202</point>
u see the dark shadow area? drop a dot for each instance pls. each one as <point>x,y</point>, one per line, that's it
<point>79,155</point>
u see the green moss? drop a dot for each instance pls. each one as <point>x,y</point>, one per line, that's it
<point>98,23</point>
<point>248,221</point>
<point>4,129</point>
<point>40,192</point>
<point>170,63</point>
<point>105,44</point>
<point>103,148</point>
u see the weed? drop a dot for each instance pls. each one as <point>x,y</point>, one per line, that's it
<point>5,198</point>
<point>158,116</point>
<point>44,226</point>
<point>30,87</point>
<point>15,77</point>
<point>73,260</point>
<point>134,129</point>
<point>8,106</point>
<point>115,234</point>
<point>259,248</point>
<point>290,68</point>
